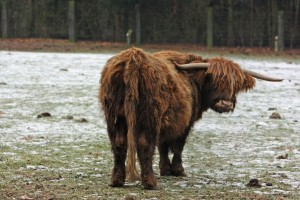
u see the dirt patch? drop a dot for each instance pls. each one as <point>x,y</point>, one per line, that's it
<point>60,45</point>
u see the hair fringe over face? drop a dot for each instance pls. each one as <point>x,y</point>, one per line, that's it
<point>228,76</point>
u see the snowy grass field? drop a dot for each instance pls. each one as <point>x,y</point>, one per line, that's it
<point>67,155</point>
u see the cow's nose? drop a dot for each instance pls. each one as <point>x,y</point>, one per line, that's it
<point>227,104</point>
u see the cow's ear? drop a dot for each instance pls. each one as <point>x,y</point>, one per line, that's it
<point>249,83</point>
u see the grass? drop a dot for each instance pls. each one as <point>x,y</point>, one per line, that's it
<point>61,158</point>
<point>40,169</point>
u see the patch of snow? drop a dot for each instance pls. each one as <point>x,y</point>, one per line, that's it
<point>182,184</point>
<point>32,167</point>
<point>237,145</point>
<point>33,153</point>
<point>238,184</point>
<point>97,175</point>
<point>9,153</point>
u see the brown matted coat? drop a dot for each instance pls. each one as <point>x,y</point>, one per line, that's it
<point>148,102</point>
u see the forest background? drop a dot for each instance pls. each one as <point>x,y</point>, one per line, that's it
<point>212,23</point>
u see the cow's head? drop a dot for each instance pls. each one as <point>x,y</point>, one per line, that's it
<point>222,81</point>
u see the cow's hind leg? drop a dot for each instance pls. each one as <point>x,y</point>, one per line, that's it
<point>118,137</point>
<point>177,148</point>
<point>164,161</point>
<point>145,151</point>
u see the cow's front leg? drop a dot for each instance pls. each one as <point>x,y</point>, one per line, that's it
<point>145,151</point>
<point>164,161</point>
<point>118,139</point>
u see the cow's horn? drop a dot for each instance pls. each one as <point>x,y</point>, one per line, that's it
<point>261,76</point>
<point>192,65</point>
<point>246,71</point>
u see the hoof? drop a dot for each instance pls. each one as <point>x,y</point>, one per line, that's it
<point>165,168</point>
<point>118,177</point>
<point>178,171</point>
<point>165,172</point>
<point>149,183</point>
<point>116,184</point>
<point>150,187</point>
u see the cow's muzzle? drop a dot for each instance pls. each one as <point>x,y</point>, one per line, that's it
<point>224,106</point>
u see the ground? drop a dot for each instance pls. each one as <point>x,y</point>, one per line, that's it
<point>60,45</point>
<point>54,145</point>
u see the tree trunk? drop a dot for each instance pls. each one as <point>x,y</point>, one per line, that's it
<point>280,31</point>
<point>4,19</point>
<point>294,29</point>
<point>251,23</point>
<point>31,18</point>
<point>230,35</point>
<point>274,10</point>
<point>137,24</point>
<point>209,27</point>
<point>71,21</point>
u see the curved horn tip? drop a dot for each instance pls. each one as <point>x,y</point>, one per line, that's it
<point>271,79</point>
<point>279,79</point>
<point>261,76</point>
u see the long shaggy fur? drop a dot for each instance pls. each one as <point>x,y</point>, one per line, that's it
<point>228,76</point>
<point>148,102</point>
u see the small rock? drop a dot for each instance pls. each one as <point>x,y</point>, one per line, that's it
<point>69,117</point>
<point>269,184</point>
<point>28,138</point>
<point>283,156</point>
<point>253,183</point>
<point>272,108</point>
<point>63,70</point>
<point>3,83</point>
<point>275,115</point>
<point>82,120</point>
<point>44,114</point>
<point>52,197</point>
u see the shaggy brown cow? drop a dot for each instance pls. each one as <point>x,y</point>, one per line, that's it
<point>151,100</point>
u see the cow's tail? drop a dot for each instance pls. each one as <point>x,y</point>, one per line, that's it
<point>131,77</point>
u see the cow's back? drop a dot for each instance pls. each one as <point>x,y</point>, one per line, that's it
<point>162,96</point>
